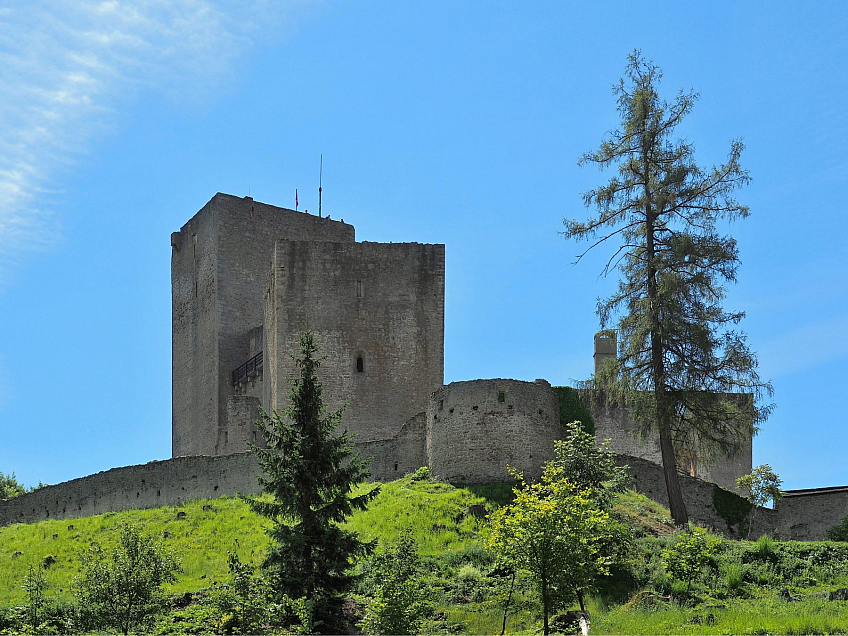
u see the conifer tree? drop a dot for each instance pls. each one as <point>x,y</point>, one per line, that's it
<point>310,473</point>
<point>679,354</point>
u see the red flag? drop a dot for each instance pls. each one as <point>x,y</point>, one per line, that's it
<point>295,199</point>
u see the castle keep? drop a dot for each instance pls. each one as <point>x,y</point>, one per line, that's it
<point>248,277</point>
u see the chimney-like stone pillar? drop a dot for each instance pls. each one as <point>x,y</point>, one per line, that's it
<point>605,348</point>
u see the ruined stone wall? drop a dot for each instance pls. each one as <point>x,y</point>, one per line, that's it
<point>377,311</point>
<point>220,261</point>
<point>808,514</point>
<point>648,479</point>
<point>616,424</point>
<point>476,428</point>
<point>802,515</point>
<point>174,481</point>
<point>403,453</point>
<point>161,483</point>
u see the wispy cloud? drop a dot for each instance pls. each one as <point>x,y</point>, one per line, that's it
<point>64,66</point>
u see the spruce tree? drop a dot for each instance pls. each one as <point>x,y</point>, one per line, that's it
<point>310,471</point>
<point>679,353</point>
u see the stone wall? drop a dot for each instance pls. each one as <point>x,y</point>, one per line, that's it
<point>219,266</point>
<point>476,428</point>
<point>697,494</point>
<point>241,430</point>
<point>160,483</point>
<point>403,453</point>
<point>377,312</point>
<point>616,424</point>
<point>808,514</point>
<point>173,481</point>
<point>802,515</point>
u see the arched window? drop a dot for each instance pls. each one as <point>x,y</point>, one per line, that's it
<point>360,365</point>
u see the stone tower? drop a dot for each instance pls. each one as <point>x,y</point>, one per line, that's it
<point>377,310</point>
<point>605,348</point>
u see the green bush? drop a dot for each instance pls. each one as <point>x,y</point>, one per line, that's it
<point>690,553</point>
<point>733,574</point>
<point>421,474</point>
<point>765,548</point>
<point>10,486</point>
<point>839,532</point>
<point>398,603</point>
<point>122,588</point>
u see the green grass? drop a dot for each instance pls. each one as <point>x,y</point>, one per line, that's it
<point>436,513</point>
<point>765,615</point>
<point>644,515</point>
<point>201,539</point>
<point>450,541</point>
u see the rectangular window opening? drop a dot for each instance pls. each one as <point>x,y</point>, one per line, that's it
<point>501,396</point>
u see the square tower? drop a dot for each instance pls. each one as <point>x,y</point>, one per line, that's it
<point>219,269</point>
<point>377,311</point>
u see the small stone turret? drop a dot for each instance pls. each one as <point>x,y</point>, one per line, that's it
<point>605,348</point>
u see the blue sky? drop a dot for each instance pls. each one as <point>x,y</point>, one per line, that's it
<point>445,122</point>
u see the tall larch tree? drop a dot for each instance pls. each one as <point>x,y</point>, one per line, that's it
<point>679,353</point>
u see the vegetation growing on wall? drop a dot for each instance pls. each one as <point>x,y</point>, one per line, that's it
<point>572,408</point>
<point>732,508</point>
<point>839,532</point>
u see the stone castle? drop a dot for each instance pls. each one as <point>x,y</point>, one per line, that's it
<point>248,277</point>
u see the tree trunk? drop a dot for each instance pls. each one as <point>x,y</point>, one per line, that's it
<point>508,601</point>
<point>545,605</point>
<point>672,480</point>
<point>663,414</point>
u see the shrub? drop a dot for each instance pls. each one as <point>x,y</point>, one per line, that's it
<point>10,487</point>
<point>34,586</point>
<point>733,573</point>
<point>693,550</point>
<point>122,589</point>
<point>399,602</point>
<point>764,547</point>
<point>422,474</point>
<point>839,532</point>
<point>243,601</point>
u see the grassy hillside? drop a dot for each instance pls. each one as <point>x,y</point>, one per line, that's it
<point>749,587</point>
<point>200,532</point>
<point>203,532</point>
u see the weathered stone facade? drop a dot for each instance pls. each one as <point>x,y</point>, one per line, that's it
<point>476,429</point>
<point>219,268</point>
<point>808,514</point>
<point>377,312</point>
